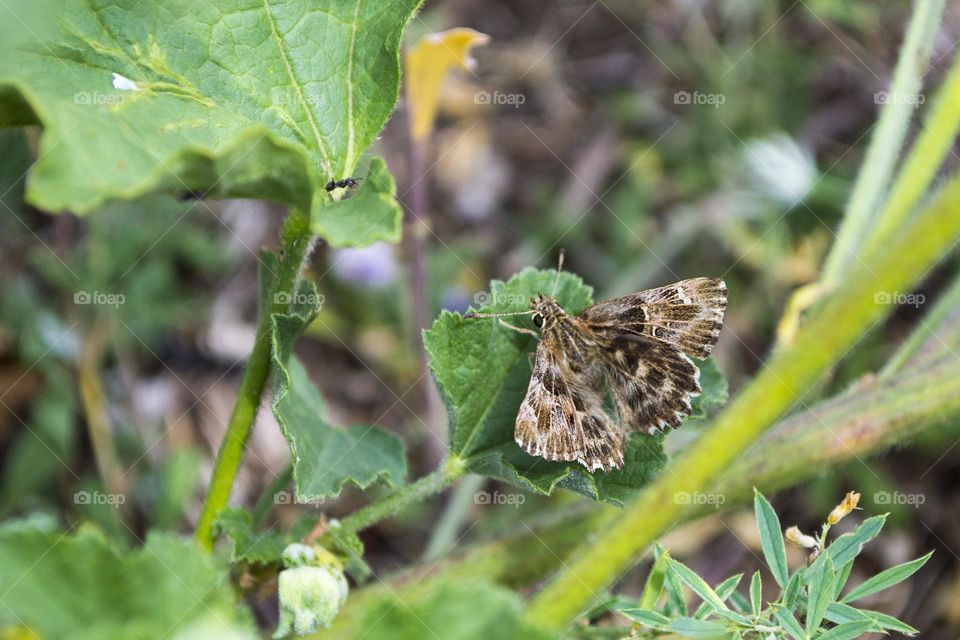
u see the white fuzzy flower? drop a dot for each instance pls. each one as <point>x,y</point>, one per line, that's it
<point>780,168</point>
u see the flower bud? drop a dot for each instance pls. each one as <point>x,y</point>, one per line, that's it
<point>312,590</point>
<point>839,512</point>
<point>796,537</point>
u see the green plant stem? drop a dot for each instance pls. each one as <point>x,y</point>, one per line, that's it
<point>295,240</point>
<point>430,484</point>
<point>887,140</point>
<point>773,392</point>
<point>920,168</point>
<point>444,535</point>
<point>927,337</point>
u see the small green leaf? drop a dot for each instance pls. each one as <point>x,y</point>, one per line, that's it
<point>648,618</point>
<point>820,595</point>
<point>771,538</point>
<point>692,628</point>
<point>789,623</point>
<point>756,593</point>
<point>654,585</point>
<point>886,579</point>
<point>370,215</point>
<point>846,631</point>
<point>325,457</point>
<point>249,545</point>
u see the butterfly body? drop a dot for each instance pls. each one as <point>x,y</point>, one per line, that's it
<point>632,352</point>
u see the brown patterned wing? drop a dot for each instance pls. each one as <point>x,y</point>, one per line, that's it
<point>562,415</point>
<point>647,339</point>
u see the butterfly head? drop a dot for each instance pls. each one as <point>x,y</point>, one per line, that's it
<point>546,311</point>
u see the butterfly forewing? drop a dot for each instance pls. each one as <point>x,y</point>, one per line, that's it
<point>637,349</point>
<point>562,415</point>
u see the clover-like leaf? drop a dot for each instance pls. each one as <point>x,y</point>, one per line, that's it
<point>482,369</point>
<point>325,457</point>
<point>255,98</point>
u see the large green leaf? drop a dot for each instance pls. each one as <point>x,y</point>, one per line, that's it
<point>78,585</point>
<point>482,369</point>
<point>449,610</point>
<point>325,457</point>
<point>252,98</point>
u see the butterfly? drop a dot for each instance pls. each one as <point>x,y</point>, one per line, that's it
<point>633,352</point>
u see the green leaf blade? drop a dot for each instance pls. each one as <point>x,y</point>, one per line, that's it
<point>325,458</point>
<point>886,579</point>
<point>771,538</point>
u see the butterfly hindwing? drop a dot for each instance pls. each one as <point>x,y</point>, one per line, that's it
<point>686,315</point>
<point>646,340</point>
<point>562,415</point>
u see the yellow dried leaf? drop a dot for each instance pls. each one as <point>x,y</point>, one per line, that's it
<point>426,64</point>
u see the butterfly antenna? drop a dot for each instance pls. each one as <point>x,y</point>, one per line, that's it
<point>498,315</point>
<point>556,282</point>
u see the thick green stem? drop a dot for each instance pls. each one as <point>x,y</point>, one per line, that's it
<point>295,239</point>
<point>887,139</point>
<point>399,500</point>
<point>790,373</point>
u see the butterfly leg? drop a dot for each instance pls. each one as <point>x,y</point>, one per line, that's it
<point>521,329</point>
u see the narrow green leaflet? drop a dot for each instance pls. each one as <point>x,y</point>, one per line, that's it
<point>756,593</point>
<point>886,579</point>
<point>369,215</point>
<point>846,631</point>
<point>253,98</point>
<point>820,595</point>
<point>771,538</point>
<point>692,628</point>
<point>449,610</point>
<point>848,546</point>
<point>78,585</point>
<point>325,457</point>
<point>654,585</point>
<point>786,620</point>
<point>482,369</point>
<point>840,613</point>
<point>651,619</point>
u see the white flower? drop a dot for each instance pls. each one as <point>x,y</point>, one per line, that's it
<point>780,168</point>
